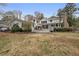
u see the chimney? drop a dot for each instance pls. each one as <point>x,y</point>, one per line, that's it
<point>66,25</point>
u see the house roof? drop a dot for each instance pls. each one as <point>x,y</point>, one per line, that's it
<point>53,17</point>
<point>7,22</point>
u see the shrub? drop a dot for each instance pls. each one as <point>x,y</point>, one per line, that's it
<point>26,26</point>
<point>16,28</point>
<point>63,29</point>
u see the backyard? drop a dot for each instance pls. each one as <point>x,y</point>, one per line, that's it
<point>39,44</point>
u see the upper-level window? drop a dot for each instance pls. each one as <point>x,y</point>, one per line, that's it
<point>52,25</point>
<point>50,20</point>
<point>57,25</point>
<point>43,21</point>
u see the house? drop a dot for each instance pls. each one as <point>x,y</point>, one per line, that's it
<point>8,20</point>
<point>43,25</point>
<point>49,24</point>
<point>8,24</point>
<point>46,25</point>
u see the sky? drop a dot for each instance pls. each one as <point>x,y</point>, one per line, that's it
<point>48,9</point>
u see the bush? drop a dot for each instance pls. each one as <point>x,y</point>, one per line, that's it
<point>63,29</point>
<point>16,28</point>
<point>26,26</point>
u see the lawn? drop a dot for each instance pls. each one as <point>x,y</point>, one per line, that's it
<point>39,44</point>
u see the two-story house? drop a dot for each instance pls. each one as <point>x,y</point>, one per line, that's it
<point>46,24</point>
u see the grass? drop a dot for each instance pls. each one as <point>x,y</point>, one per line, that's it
<point>39,44</point>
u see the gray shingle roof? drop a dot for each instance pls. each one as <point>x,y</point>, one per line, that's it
<point>7,22</point>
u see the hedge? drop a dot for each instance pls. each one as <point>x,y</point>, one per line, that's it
<point>63,29</point>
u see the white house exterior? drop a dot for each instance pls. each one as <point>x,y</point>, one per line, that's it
<point>9,24</point>
<point>18,22</point>
<point>46,25</point>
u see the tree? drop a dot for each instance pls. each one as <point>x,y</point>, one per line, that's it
<point>9,13</point>
<point>1,10</point>
<point>26,26</point>
<point>1,14</point>
<point>77,22</point>
<point>70,8</point>
<point>16,28</point>
<point>8,16</point>
<point>60,13</point>
<point>17,13</point>
<point>14,14</point>
<point>39,15</point>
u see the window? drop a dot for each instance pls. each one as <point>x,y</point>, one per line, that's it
<point>50,20</point>
<point>52,25</point>
<point>56,24</point>
<point>62,25</point>
<point>45,26</point>
<point>43,21</point>
<point>38,28</point>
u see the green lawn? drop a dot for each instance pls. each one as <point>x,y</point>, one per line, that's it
<point>57,43</point>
